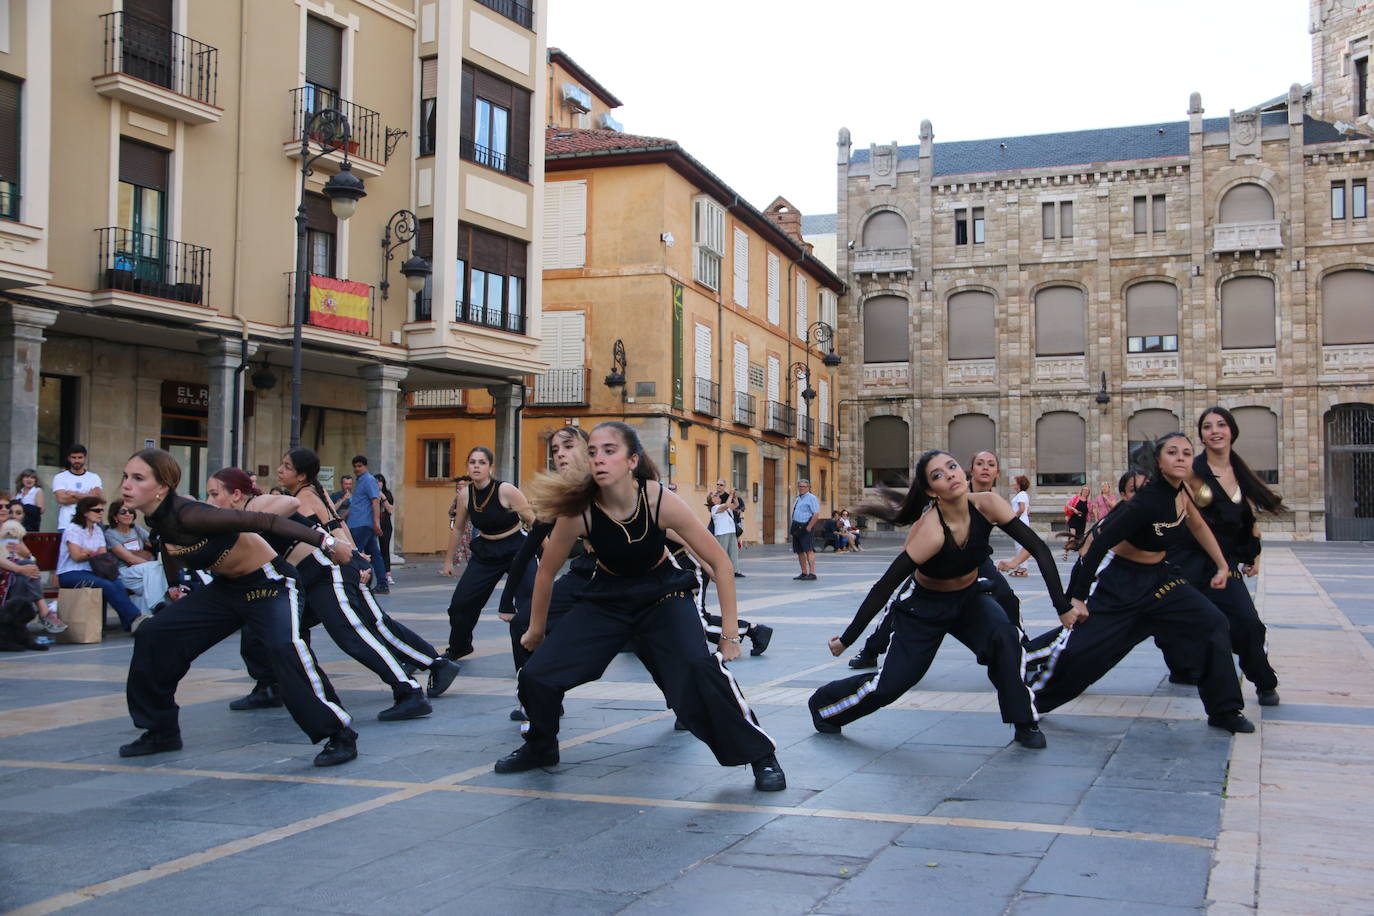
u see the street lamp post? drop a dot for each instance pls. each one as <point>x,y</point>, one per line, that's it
<point>329,128</point>
<point>808,394</point>
<point>403,224</point>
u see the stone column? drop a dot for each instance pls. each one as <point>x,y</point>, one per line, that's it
<point>383,420</point>
<point>506,401</point>
<point>223,356</point>
<point>21,360</point>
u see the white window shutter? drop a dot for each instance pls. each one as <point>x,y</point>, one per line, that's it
<point>741,268</point>
<point>823,399</point>
<point>774,289</point>
<point>741,367</point>
<point>802,322</point>
<point>703,352</point>
<point>565,224</point>
<point>774,371</point>
<point>562,346</point>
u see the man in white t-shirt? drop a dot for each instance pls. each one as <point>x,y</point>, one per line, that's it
<point>70,485</point>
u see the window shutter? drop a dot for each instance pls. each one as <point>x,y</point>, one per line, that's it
<point>885,330</point>
<point>1148,425</point>
<point>823,400</point>
<point>1245,203</point>
<point>741,367</point>
<point>520,124</point>
<point>1259,437</point>
<point>1047,221</point>
<point>1138,216</point>
<point>887,443</point>
<point>424,238</point>
<point>703,352</point>
<point>323,53</point>
<point>153,12</point>
<point>429,78</point>
<point>774,371</point>
<point>774,289</point>
<point>803,292</point>
<point>145,166</point>
<point>565,224</point>
<point>972,325</point>
<point>466,116</point>
<point>318,215</point>
<point>1059,443</point>
<point>1247,313</point>
<point>741,268</point>
<point>970,434</point>
<point>1066,219</point>
<point>1348,308</point>
<point>1151,309</point>
<point>1059,321</point>
<point>1161,216</point>
<point>9,129</point>
<point>564,336</point>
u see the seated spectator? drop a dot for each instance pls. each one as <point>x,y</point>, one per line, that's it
<point>140,570</point>
<point>24,580</point>
<point>81,540</point>
<point>848,531</point>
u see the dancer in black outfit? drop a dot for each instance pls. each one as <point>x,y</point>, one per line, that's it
<point>1139,595</point>
<point>251,587</point>
<point>637,594</point>
<point>984,470</point>
<point>1225,489</point>
<point>496,510</point>
<point>943,552</point>
<point>758,634</point>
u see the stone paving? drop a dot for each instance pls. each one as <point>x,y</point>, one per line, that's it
<point>1137,806</point>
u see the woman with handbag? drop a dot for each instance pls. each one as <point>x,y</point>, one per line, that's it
<point>84,561</point>
<point>140,570</point>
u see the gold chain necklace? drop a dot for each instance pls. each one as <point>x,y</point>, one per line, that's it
<point>639,501</point>
<point>491,490</point>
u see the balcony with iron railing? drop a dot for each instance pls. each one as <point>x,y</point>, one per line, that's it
<point>496,160</point>
<point>561,387</point>
<point>145,264</point>
<point>827,436</point>
<point>707,398</point>
<point>159,70</point>
<point>366,141</point>
<point>346,306</point>
<point>745,412</point>
<point>780,419</point>
<point>493,317</point>
<point>804,428</point>
<point>427,398</point>
<point>513,10</point>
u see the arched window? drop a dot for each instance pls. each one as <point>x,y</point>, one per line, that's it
<point>972,325</point>
<point>887,451</point>
<point>1247,313</point>
<point>1142,429</point>
<point>1059,321</point>
<point>970,434</point>
<point>886,229</point>
<point>1348,307</point>
<point>1152,318</point>
<point>1246,203</point>
<point>1060,454</point>
<point>1258,442</point>
<point>885,330</point>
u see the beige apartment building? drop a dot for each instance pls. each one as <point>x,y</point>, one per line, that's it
<point>150,175</point>
<point>1066,298</point>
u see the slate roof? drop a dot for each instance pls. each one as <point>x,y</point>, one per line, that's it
<point>818,224</point>
<point>1085,147</point>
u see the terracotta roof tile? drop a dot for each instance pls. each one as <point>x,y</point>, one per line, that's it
<point>567,141</point>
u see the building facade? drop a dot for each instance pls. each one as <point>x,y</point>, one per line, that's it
<point>150,175</point>
<point>1066,298</point>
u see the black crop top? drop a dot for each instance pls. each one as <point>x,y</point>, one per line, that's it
<point>196,535</point>
<point>487,514</point>
<point>1150,520</point>
<point>953,561</point>
<point>631,547</point>
<point>1231,520</point>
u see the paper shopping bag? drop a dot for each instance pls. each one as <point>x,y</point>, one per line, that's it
<point>83,611</point>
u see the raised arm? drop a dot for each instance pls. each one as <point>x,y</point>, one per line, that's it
<point>922,543</point>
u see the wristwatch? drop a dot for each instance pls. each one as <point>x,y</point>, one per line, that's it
<point>327,545</point>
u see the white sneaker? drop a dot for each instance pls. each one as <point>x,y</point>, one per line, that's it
<point>54,624</point>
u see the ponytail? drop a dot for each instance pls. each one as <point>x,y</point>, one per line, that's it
<point>893,506</point>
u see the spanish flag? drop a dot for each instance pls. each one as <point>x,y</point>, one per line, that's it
<point>338,304</point>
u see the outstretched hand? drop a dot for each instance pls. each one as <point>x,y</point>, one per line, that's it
<point>836,647</point>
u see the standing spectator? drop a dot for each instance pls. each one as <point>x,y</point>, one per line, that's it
<point>28,492</point>
<point>805,511</point>
<point>140,571</point>
<point>365,521</point>
<point>1103,502</point>
<point>723,524</point>
<point>74,483</point>
<point>1020,507</point>
<point>81,540</point>
<point>388,528</point>
<point>341,498</point>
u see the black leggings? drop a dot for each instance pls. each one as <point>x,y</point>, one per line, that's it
<point>919,625</point>
<point>489,562</point>
<point>266,601</point>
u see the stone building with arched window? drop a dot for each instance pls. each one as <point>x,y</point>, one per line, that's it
<point>1066,298</point>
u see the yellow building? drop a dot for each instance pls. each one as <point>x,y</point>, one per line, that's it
<point>150,174</point>
<point>720,311</point>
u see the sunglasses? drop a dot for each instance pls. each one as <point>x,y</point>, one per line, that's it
<point>124,512</point>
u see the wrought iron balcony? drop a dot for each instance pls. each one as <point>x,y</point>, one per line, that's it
<point>804,428</point>
<point>366,134</point>
<point>708,397</point>
<point>158,55</point>
<point>513,166</point>
<point>512,10</point>
<point>346,306</point>
<point>151,265</point>
<point>495,318</point>
<point>745,412</point>
<point>566,387</point>
<point>827,437</point>
<point>437,397</point>
<point>780,419</point>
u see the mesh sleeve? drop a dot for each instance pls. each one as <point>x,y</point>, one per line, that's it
<point>878,595</point>
<point>200,518</point>
<point>1117,527</point>
<point>1028,539</point>
<point>538,533</point>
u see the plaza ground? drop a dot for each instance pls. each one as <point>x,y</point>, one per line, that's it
<point>1137,806</point>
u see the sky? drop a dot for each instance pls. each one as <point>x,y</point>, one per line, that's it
<point>757,90</point>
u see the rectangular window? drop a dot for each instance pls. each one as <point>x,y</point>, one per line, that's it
<point>1362,86</point>
<point>741,268</point>
<point>140,245</point>
<point>321,229</point>
<point>803,306</point>
<point>57,395</point>
<point>1140,215</point>
<point>977,225</point>
<point>961,226</point>
<point>495,279</point>
<point>494,127</point>
<point>1154,343</point>
<point>438,459</point>
<point>701,465</point>
<point>1358,200</point>
<point>1338,200</point>
<point>323,64</point>
<point>9,147</point>
<point>739,472</point>
<point>1056,219</point>
<point>1047,221</point>
<point>565,224</point>
<point>1158,214</point>
<point>1066,219</point>
<point>708,241</point>
<point>774,289</point>
<point>424,247</point>
<point>429,105</point>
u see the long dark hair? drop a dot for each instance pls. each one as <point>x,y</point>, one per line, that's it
<point>893,506</point>
<point>306,462</point>
<point>1251,486</point>
<point>570,493</point>
<point>1154,471</point>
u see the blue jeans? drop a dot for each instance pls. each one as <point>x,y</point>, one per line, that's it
<point>115,593</point>
<point>365,539</point>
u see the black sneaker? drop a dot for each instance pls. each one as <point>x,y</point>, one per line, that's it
<point>152,743</point>
<point>453,654</point>
<point>863,660</point>
<point>739,575</point>
<point>822,726</point>
<point>810,577</point>
<point>381,590</point>
<point>801,578</point>
<point>441,675</point>
<point>768,776</point>
<point>1269,697</point>
<point>262,697</point>
<point>1233,721</point>
<point>518,714</point>
<point>759,636</point>
<point>526,758</point>
<point>341,747</point>
<point>1028,734</point>
<point>409,705</point>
